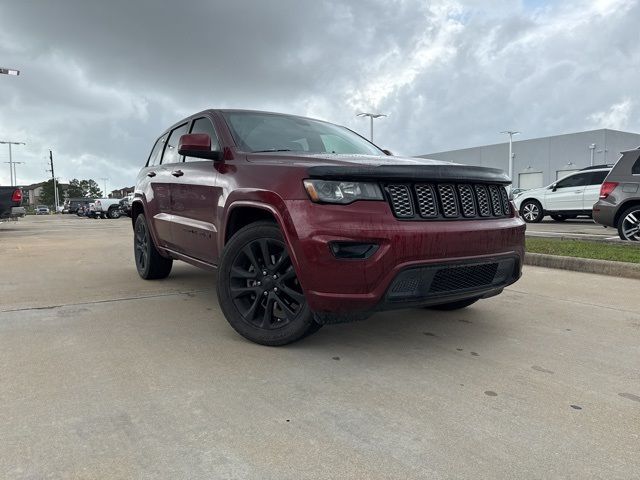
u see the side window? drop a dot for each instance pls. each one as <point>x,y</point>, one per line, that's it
<point>156,152</point>
<point>204,125</point>
<point>597,178</point>
<point>635,170</point>
<point>171,151</point>
<point>579,180</point>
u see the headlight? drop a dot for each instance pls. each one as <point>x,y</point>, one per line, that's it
<point>329,191</point>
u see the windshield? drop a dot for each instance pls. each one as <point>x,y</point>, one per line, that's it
<point>268,132</point>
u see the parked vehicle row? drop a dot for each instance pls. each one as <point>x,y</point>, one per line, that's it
<point>608,194</point>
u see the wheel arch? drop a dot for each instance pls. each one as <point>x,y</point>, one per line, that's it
<point>256,211</point>
<point>635,202</point>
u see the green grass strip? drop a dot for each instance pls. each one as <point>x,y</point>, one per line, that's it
<point>584,249</point>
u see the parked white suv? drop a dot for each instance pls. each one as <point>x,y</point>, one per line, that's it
<point>566,198</point>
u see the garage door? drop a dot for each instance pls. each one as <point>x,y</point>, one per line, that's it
<point>530,180</point>
<point>563,173</point>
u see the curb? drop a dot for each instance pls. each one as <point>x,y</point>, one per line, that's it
<point>584,265</point>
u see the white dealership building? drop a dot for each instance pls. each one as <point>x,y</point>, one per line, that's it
<point>539,161</point>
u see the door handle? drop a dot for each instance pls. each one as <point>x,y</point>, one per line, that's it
<point>177,173</point>
<point>151,174</point>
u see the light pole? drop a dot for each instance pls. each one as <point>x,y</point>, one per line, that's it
<point>6,142</point>
<point>10,71</point>
<point>371,116</point>
<point>511,133</point>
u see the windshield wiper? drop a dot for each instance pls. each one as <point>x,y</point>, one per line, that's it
<point>273,150</point>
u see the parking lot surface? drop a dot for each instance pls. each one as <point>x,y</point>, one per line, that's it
<point>579,229</point>
<point>104,375</point>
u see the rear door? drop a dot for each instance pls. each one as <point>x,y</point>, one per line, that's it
<point>592,189</point>
<point>195,198</point>
<point>568,193</point>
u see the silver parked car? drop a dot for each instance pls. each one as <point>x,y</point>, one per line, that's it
<point>619,204</point>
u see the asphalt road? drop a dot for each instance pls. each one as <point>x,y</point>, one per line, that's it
<point>104,375</point>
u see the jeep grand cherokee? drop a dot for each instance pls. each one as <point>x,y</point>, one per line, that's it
<point>308,223</point>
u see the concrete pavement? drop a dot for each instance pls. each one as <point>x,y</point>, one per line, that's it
<point>103,375</point>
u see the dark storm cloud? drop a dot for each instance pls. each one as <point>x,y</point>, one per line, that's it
<point>101,79</point>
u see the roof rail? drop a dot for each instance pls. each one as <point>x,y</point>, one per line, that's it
<point>594,167</point>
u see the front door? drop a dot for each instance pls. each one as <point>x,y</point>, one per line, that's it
<point>194,202</point>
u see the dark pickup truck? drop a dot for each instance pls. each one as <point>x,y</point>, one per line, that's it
<point>10,201</point>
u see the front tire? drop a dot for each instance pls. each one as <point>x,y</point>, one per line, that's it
<point>149,263</point>
<point>258,289</point>
<point>531,211</point>
<point>629,224</point>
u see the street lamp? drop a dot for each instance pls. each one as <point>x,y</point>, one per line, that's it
<point>371,116</point>
<point>10,71</point>
<point>11,162</point>
<point>511,133</point>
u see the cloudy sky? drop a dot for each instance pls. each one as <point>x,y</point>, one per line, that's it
<point>101,79</point>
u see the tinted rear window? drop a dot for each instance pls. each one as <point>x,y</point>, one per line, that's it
<point>636,168</point>
<point>596,178</point>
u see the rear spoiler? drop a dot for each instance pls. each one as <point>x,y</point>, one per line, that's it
<point>431,173</point>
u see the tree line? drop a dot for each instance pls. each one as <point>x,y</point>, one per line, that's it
<point>76,189</point>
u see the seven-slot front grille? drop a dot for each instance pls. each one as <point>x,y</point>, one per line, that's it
<point>422,201</point>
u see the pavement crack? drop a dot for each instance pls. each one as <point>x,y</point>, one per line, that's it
<point>108,300</point>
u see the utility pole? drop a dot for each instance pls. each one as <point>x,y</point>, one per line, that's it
<point>11,162</point>
<point>371,117</point>
<point>105,186</point>
<point>511,133</point>
<point>55,187</point>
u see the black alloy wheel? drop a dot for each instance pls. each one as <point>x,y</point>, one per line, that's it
<point>149,263</point>
<point>258,288</point>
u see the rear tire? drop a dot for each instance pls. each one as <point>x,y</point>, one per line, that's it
<point>629,224</point>
<point>454,305</point>
<point>114,213</point>
<point>531,211</point>
<point>149,263</point>
<point>258,289</point>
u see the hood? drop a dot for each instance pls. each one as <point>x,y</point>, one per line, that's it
<point>371,167</point>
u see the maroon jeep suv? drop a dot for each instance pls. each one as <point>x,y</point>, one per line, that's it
<point>308,223</point>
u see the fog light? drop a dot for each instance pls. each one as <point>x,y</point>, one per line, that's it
<point>353,250</point>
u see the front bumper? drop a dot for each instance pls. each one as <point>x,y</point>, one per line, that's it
<point>349,286</point>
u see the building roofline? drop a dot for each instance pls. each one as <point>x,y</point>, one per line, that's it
<point>531,139</point>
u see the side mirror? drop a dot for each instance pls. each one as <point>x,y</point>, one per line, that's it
<point>197,145</point>
<point>388,152</point>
